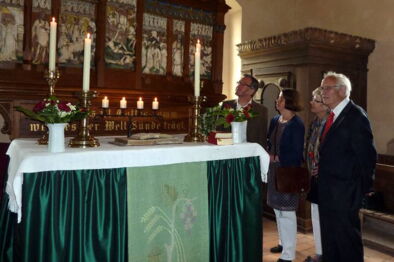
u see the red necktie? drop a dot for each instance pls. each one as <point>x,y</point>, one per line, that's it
<point>330,120</point>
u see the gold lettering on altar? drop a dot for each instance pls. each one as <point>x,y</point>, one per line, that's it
<point>36,127</point>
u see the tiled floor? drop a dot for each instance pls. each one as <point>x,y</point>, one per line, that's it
<point>305,246</point>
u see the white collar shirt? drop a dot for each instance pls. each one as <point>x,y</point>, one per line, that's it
<point>338,109</point>
<point>240,107</point>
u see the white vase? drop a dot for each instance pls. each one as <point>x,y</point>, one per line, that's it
<point>56,137</point>
<point>238,130</point>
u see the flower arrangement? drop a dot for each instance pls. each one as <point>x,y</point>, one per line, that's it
<point>223,116</point>
<point>51,110</point>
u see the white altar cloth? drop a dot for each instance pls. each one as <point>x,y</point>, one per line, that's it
<point>26,156</point>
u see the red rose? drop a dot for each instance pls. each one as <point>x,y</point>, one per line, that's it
<point>230,118</point>
<point>246,113</point>
<point>311,155</point>
<point>64,107</point>
<point>39,106</point>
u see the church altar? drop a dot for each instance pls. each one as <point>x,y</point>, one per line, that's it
<point>184,202</point>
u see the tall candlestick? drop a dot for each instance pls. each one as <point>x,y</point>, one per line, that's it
<point>105,102</point>
<point>52,45</point>
<point>123,103</point>
<point>155,104</point>
<point>197,62</point>
<point>86,63</point>
<point>140,104</point>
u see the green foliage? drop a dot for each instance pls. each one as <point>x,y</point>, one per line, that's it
<point>51,110</point>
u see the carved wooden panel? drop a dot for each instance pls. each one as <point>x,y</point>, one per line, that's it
<point>141,48</point>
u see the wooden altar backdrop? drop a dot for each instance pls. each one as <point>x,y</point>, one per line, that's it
<point>140,48</point>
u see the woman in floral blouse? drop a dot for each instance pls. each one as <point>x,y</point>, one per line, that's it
<point>312,159</point>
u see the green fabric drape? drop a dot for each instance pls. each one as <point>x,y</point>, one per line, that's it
<point>74,216</point>
<point>168,213</point>
<point>7,231</point>
<point>235,210</point>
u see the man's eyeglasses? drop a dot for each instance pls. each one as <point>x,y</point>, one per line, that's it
<point>239,83</point>
<point>327,88</point>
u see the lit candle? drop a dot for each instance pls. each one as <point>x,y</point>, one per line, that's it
<point>52,45</point>
<point>155,104</point>
<point>105,102</point>
<point>86,63</point>
<point>197,58</point>
<point>140,104</point>
<point>123,103</point>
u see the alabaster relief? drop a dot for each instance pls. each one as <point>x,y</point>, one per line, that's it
<point>77,18</point>
<point>120,34</point>
<point>204,34</point>
<point>11,30</point>
<point>154,45</point>
<point>178,47</point>
<point>40,31</point>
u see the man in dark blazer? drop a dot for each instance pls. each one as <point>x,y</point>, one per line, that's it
<point>346,169</point>
<point>256,130</point>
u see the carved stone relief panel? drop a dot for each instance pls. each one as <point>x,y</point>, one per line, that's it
<point>178,46</point>
<point>120,34</point>
<point>11,30</point>
<point>77,18</point>
<point>154,45</point>
<point>204,34</point>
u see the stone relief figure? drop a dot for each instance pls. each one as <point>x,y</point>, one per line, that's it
<point>154,45</point>
<point>42,4</point>
<point>204,34</point>
<point>40,37</point>
<point>177,57</point>
<point>120,37</point>
<point>8,31</point>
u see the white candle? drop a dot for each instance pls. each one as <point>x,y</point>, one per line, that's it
<point>155,104</point>
<point>140,104</point>
<point>105,102</point>
<point>197,58</point>
<point>52,45</point>
<point>123,103</point>
<point>86,63</point>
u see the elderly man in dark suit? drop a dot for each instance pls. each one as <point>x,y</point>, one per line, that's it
<point>346,168</point>
<point>256,130</point>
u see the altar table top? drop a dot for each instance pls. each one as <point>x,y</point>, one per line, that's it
<point>26,156</point>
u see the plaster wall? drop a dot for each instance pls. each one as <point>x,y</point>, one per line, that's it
<point>365,18</point>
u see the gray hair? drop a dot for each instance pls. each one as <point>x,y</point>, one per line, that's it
<point>341,81</point>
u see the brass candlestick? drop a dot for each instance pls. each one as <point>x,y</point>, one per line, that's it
<point>83,138</point>
<point>194,134</point>
<point>51,77</point>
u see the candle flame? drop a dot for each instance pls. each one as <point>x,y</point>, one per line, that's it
<point>155,99</point>
<point>198,41</point>
<point>140,98</point>
<point>88,35</point>
<point>53,19</point>
<point>123,98</point>
<point>105,97</point>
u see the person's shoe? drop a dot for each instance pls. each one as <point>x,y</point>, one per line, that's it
<point>277,249</point>
<point>283,260</point>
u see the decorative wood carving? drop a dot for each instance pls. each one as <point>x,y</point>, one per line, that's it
<point>309,36</point>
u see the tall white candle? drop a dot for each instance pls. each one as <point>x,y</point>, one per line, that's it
<point>105,102</point>
<point>197,62</point>
<point>123,103</point>
<point>155,104</point>
<point>140,104</point>
<point>52,45</point>
<point>86,63</point>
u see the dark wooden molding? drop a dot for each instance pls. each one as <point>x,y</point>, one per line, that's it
<point>386,159</point>
<point>309,36</point>
<point>5,112</point>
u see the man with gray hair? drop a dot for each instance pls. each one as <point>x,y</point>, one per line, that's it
<point>346,168</point>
